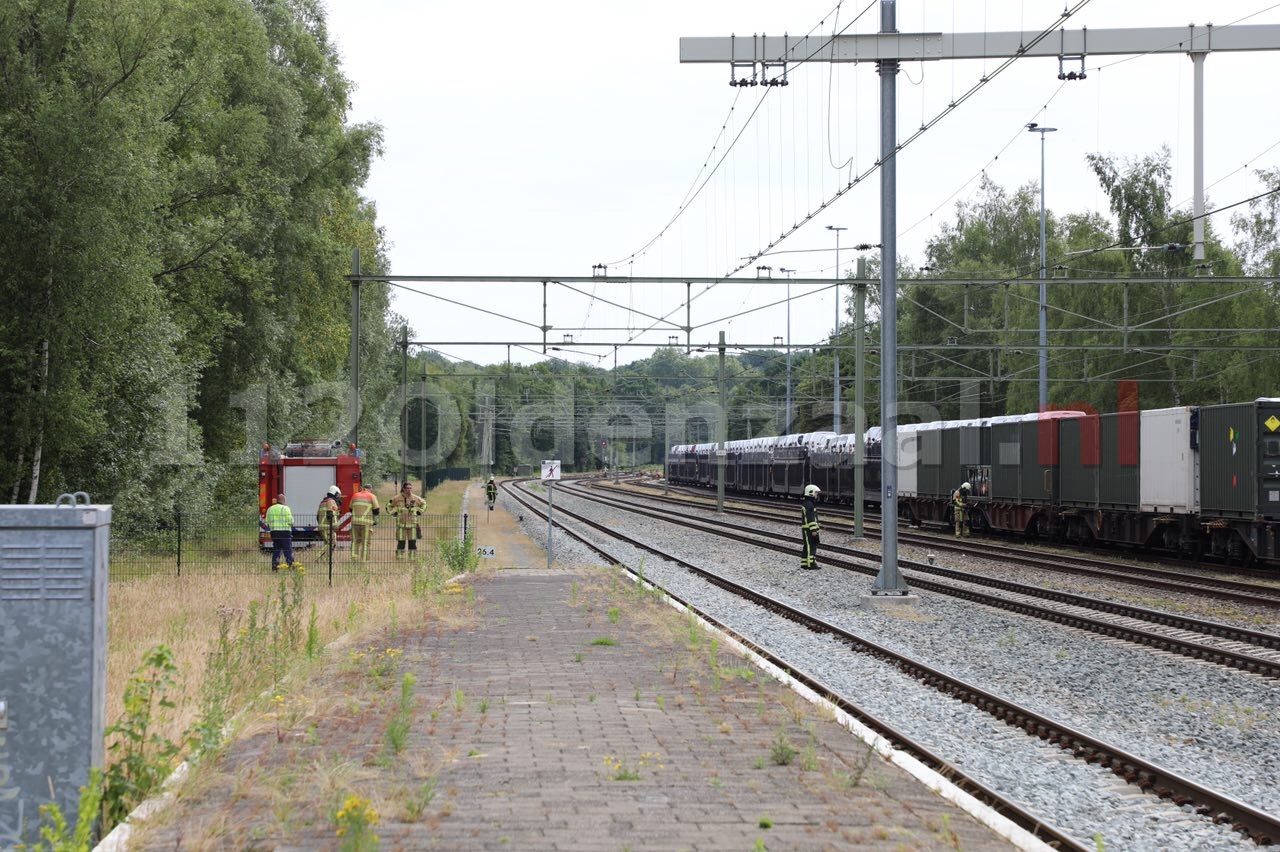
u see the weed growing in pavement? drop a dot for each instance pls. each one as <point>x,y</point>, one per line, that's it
<point>758,763</point>
<point>417,801</point>
<point>809,757</point>
<point>1098,844</point>
<point>759,845</point>
<point>614,614</point>
<point>288,713</point>
<point>781,751</point>
<point>765,822</point>
<point>380,664</point>
<point>459,700</point>
<point>853,779</point>
<point>397,733</point>
<point>948,834</point>
<point>483,706</point>
<point>573,594</point>
<point>621,770</point>
<point>354,822</point>
<point>577,657</point>
<point>604,640</point>
<point>636,697</point>
<point>714,664</point>
<point>661,701</point>
<point>693,630</point>
<point>475,752</point>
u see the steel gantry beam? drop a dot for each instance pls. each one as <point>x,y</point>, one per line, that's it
<point>1197,41</point>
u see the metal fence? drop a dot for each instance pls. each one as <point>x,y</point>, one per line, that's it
<point>231,546</point>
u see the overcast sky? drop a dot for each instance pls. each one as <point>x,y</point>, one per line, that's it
<point>540,139</point>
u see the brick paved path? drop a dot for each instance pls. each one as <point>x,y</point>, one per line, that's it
<point>568,712</point>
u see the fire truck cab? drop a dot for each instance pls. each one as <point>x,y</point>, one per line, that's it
<point>303,472</point>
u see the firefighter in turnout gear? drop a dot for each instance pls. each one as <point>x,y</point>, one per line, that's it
<point>809,529</point>
<point>406,507</point>
<point>491,493</point>
<point>364,514</point>
<point>327,516</point>
<point>960,509</point>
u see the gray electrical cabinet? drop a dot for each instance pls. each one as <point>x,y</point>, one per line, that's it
<point>53,669</point>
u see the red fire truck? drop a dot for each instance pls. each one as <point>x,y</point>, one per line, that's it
<point>303,472</point>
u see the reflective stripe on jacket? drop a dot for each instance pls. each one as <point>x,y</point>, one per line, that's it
<point>406,515</point>
<point>327,514</point>
<point>809,516</point>
<point>362,505</point>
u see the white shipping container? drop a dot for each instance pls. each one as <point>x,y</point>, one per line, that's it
<point>1168,468</point>
<point>908,460</point>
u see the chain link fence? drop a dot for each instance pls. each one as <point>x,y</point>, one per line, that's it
<point>198,545</point>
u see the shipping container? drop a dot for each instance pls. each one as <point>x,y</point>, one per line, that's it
<point>1240,460</point>
<point>908,462</point>
<point>1025,450</point>
<point>1168,461</point>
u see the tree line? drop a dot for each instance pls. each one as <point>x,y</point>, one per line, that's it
<point>179,191</point>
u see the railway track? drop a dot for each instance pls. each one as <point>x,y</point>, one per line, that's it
<point>1075,565</point>
<point>1258,825</point>
<point>1223,644</point>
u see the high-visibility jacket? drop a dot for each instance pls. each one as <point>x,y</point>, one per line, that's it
<point>809,516</point>
<point>279,518</point>
<point>407,512</point>
<point>327,514</point>
<point>363,506</point>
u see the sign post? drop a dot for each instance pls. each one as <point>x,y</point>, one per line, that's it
<point>550,476</point>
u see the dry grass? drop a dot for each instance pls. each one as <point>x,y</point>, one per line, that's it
<point>184,614</point>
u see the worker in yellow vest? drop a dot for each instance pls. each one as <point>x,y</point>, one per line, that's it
<point>364,514</point>
<point>280,523</point>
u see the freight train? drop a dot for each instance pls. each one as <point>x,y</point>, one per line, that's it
<point>1193,480</point>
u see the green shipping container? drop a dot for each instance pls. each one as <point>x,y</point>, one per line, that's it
<point>1240,460</point>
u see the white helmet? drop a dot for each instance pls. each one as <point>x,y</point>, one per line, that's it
<point>334,491</point>
<point>811,491</point>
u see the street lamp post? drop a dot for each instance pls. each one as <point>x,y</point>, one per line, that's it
<point>786,425</point>
<point>1044,308</point>
<point>835,348</point>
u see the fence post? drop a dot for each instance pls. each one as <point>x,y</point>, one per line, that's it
<point>464,526</point>
<point>177,513</point>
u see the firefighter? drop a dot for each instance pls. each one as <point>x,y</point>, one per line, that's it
<point>364,514</point>
<point>809,529</point>
<point>327,515</point>
<point>406,507</point>
<point>960,509</point>
<point>280,523</point>
<point>491,493</point>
